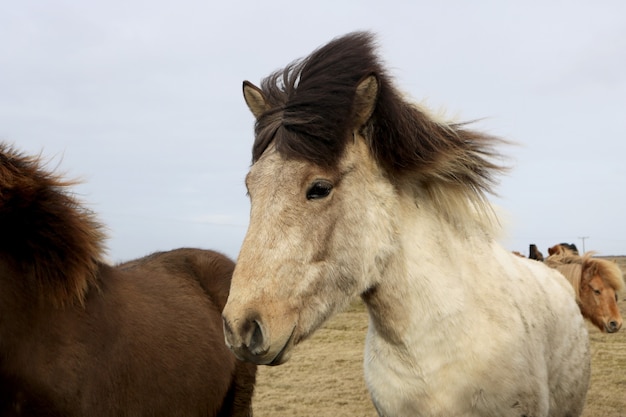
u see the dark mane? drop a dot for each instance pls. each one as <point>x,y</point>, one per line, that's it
<point>310,109</point>
<point>49,236</point>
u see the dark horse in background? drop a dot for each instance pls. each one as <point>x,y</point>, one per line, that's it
<point>534,253</point>
<point>79,337</point>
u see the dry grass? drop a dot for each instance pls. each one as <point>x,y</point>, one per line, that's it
<point>324,377</point>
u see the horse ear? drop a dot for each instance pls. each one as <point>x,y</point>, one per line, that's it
<point>365,100</point>
<point>254,99</point>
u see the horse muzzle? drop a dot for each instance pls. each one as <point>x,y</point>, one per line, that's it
<point>249,339</point>
<point>613,326</point>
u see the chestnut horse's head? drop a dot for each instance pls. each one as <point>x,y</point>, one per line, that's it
<point>600,283</point>
<point>597,283</point>
<point>563,249</point>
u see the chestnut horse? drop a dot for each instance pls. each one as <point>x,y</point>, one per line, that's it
<point>563,249</point>
<point>79,337</point>
<point>356,191</point>
<point>596,283</point>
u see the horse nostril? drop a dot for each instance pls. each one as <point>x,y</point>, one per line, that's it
<point>613,326</point>
<point>257,339</point>
<point>246,337</point>
<point>228,332</point>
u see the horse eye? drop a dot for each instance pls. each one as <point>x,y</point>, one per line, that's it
<point>597,292</point>
<point>319,189</point>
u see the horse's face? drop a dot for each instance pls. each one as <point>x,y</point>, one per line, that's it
<point>598,302</point>
<point>317,237</point>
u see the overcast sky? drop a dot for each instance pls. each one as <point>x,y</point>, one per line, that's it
<point>142,101</point>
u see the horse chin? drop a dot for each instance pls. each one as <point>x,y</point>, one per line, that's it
<point>282,357</point>
<point>269,358</point>
<point>285,352</point>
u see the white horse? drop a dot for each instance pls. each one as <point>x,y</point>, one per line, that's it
<point>355,191</point>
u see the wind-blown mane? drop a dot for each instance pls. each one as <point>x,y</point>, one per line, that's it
<point>308,110</point>
<point>45,231</point>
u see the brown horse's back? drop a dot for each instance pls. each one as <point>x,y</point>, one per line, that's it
<point>210,269</point>
<point>148,342</point>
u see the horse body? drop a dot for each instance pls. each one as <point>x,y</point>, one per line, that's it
<point>120,344</point>
<point>455,356</point>
<point>355,192</point>
<point>147,342</point>
<point>81,337</point>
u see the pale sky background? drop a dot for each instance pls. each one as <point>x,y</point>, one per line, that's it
<point>142,101</point>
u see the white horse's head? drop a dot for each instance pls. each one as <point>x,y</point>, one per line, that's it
<point>318,236</point>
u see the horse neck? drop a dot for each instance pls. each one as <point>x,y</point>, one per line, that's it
<point>35,335</point>
<point>17,311</point>
<point>423,283</point>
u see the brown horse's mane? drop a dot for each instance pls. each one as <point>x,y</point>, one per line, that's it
<point>45,231</point>
<point>310,106</point>
<point>581,268</point>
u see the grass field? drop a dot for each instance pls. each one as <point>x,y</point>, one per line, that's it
<point>324,377</point>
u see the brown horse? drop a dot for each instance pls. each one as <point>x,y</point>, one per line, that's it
<point>596,283</point>
<point>563,249</point>
<point>79,337</point>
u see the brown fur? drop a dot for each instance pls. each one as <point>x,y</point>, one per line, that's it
<point>79,337</point>
<point>309,106</point>
<point>596,282</point>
